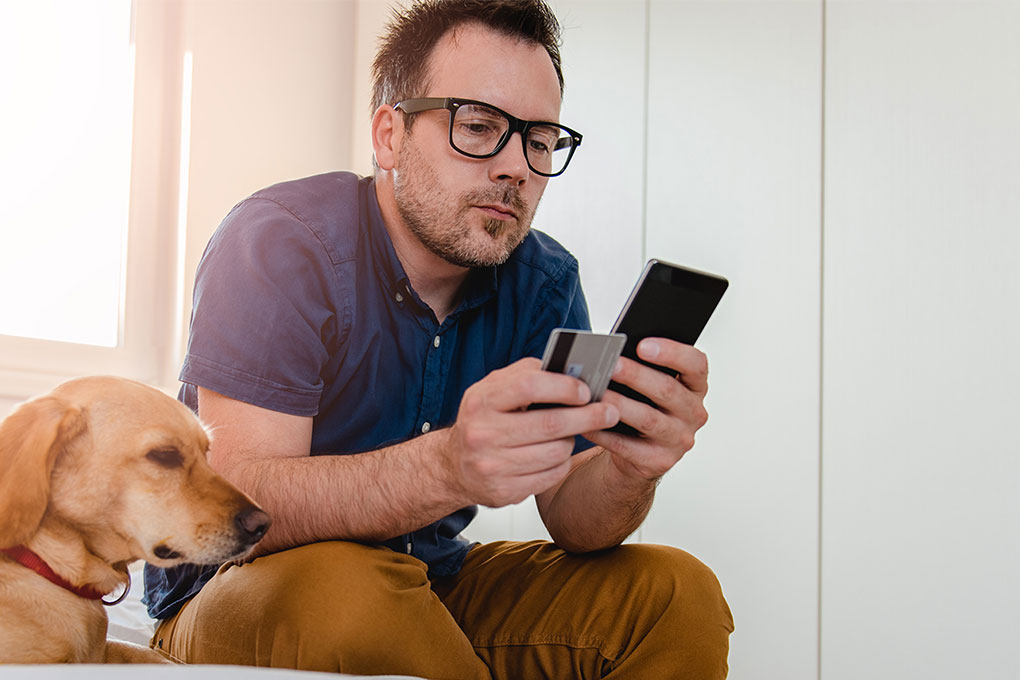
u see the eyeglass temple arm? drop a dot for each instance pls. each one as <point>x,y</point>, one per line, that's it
<point>564,142</point>
<point>423,104</point>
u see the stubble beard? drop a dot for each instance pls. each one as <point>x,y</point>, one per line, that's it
<point>443,224</point>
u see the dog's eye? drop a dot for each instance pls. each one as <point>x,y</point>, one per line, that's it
<point>169,458</point>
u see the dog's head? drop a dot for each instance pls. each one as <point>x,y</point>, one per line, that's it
<point>124,466</point>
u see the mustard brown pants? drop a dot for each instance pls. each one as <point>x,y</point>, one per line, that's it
<point>516,611</point>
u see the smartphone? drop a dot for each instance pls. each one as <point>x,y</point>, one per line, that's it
<point>668,301</point>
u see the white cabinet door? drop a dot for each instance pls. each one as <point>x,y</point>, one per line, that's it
<point>922,232</point>
<point>734,186</point>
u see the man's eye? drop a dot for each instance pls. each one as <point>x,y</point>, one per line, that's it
<point>542,140</point>
<point>538,146</point>
<point>168,457</point>
<point>478,128</point>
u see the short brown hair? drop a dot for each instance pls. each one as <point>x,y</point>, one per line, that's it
<point>400,69</point>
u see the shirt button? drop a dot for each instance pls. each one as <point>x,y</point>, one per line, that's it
<point>426,427</point>
<point>435,343</point>
<point>408,552</point>
<point>399,297</point>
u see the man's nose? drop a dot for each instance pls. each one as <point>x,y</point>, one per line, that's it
<point>510,165</point>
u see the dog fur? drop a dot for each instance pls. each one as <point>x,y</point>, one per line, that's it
<point>93,476</point>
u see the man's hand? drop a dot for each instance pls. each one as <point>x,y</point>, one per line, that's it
<point>500,453</point>
<point>669,430</point>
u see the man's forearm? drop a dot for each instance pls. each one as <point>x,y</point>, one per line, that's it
<point>368,497</point>
<point>495,454</point>
<point>597,506</point>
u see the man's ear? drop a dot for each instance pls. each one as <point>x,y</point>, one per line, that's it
<point>387,130</point>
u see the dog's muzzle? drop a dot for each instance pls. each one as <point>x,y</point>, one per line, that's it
<point>252,524</point>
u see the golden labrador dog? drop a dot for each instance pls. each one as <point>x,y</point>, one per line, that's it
<point>93,476</point>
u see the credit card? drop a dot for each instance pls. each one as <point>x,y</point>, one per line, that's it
<point>588,356</point>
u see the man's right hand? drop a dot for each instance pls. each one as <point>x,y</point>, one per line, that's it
<point>499,453</point>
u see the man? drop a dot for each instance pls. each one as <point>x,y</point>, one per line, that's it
<point>396,320</point>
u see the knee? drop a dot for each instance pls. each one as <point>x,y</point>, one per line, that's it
<point>691,622</point>
<point>679,583</point>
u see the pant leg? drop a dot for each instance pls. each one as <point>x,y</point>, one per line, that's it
<point>332,606</point>
<point>637,611</point>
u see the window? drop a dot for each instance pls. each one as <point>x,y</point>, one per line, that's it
<point>65,170</point>
<point>92,96</point>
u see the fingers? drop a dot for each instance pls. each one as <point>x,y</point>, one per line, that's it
<point>691,364</point>
<point>652,422</point>
<point>520,461</point>
<point>523,428</point>
<point>523,383</point>
<point>666,437</point>
<point>502,453</point>
<point>668,426</point>
<point>687,371</point>
<point>500,475</point>
<point>553,423</point>
<point>633,456</point>
<point>509,489</point>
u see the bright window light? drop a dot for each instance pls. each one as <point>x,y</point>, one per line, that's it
<point>65,163</point>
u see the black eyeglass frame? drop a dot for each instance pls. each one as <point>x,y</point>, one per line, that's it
<point>451,104</point>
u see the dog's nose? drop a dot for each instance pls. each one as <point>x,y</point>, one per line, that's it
<point>253,523</point>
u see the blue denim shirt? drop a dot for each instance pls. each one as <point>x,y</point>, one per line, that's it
<point>301,306</point>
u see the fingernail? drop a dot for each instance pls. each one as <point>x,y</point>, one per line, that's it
<point>583,393</point>
<point>650,348</point>
<point>612,415</point>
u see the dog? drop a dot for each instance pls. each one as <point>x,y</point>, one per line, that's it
<point>98,473</point>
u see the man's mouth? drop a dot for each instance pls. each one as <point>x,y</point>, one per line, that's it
<point>498,211</point>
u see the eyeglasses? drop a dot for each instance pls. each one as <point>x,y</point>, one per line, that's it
<point>480,130</point>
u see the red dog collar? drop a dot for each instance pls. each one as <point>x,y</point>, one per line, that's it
<point>27,558</point>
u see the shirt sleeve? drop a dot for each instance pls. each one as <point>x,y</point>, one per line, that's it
<point>263,319</point>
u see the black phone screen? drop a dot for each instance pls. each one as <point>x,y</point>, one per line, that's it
<point>670,302</point>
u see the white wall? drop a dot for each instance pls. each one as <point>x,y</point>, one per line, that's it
<point>370,18</point>
<point>6,405</point>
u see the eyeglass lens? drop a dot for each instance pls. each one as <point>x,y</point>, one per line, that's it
<point>478,130</point>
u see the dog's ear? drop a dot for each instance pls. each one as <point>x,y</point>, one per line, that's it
<point>30,440</point>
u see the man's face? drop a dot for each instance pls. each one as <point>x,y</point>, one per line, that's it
<point>474,212</point>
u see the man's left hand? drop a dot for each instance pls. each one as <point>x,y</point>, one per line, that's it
<point>668,430</point>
